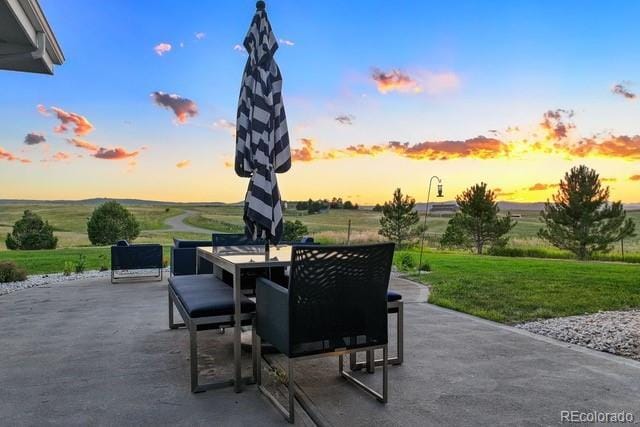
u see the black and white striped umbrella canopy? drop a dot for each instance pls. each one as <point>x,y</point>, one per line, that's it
<point>262,140</point>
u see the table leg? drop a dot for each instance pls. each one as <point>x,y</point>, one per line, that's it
<point>237,331</point>
<point>197,261</point>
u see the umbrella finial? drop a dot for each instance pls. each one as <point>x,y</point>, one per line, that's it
<point>260,5</point>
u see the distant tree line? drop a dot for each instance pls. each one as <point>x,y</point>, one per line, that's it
<point>315,206</point>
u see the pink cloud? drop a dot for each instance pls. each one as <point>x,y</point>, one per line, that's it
<point>162,48</point>
<point>80,124</point>
<point>6,155</point>
<point>117,153</point>
<point>85,145</point>
<point>183,108</point>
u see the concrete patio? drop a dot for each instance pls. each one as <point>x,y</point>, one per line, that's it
<point>92,353</point>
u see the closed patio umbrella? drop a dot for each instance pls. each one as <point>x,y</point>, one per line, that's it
<point>262,140</point>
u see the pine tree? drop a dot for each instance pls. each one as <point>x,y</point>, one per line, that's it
<point>398,218</point>
<point>580,218</point>
<point>477,223</point>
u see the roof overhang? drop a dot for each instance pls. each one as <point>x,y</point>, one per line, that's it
<point>27,42</point>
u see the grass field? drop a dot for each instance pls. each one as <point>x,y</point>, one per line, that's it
<point>513,290</point>
<point>70,221</point>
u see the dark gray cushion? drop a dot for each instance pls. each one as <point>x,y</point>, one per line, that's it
<point>122,243</point>
<point>204,295</point>
<point>393,296</point>
<point>177,243</point>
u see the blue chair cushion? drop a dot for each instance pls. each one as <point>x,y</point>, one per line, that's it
<point>204,295</point>
<point>393,296</point>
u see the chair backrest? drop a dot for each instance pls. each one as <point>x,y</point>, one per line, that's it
<point>222,239</point>
<point>338,297</point>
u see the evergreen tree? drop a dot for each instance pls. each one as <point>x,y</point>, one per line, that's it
<point>399,218</point>
<point>580,218</point>
<point>477,223</point>
<point>111,222</point>
<point>31,232</point>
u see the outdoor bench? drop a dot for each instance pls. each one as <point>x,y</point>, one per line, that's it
<point>205,302</point>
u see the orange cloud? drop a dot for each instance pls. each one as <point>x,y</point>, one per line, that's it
<point>81,126</point>
<point>622,90</point>
<point>183,108</point>
<point>60,156</point>
<point>613,146</point>
<point>395,80</point>
<point>306,153</point>
<point>117,153</point>
<point>85,145</point>
<point>6,155</point>
<point>634,177</point>
<point>557,123</point>
<point>539,186</point>
<point>183,164</point>
<point>162,48</point>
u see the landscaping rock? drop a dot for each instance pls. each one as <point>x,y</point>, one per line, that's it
<point>50,279</point>
<point>616,332</point>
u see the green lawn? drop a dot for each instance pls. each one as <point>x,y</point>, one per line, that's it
<point>512,290</point>
<point>52,261</point>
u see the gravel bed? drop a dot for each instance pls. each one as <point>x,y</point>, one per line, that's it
<point>616,332</point>
<point>53,278</point>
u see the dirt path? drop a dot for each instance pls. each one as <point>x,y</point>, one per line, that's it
<point>176,223</point>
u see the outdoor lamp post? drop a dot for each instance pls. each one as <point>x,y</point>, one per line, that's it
<point>426,213</point>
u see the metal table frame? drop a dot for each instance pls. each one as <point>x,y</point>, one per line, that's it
<point>222,257</point>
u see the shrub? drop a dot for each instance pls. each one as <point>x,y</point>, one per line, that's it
<point>103,266</point>
<point>294,230</point>
<point>68,268</point>
<point>111,222</point>
<point>10,272</point>
<point>425,267</point>
<point>31,232</point>
<point>80,265</point>
<point>407,262</point>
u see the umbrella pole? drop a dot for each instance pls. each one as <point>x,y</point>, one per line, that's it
<point>266,256</point>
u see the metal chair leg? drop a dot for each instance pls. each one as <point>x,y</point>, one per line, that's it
<point>400,335</point>
<point>193,338</point>
<point>385,369</point>
<point>258,350</point>
<point>255,351</point>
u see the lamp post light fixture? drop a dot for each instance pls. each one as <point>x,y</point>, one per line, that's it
<point>426,214</point>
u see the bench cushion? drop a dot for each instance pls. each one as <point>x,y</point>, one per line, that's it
<point>204,295</point>
<point>393,296</point>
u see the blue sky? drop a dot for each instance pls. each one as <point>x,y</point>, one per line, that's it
<point>476,66</point>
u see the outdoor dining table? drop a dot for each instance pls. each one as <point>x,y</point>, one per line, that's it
<point>235,259</point>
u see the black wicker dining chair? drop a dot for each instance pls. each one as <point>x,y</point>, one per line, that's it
<point>336,304</point>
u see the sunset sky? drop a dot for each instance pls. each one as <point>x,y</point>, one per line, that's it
<point>378,95</point>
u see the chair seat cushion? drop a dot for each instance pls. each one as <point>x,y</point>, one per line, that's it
<point>205,295</point>
<point>393,296</point>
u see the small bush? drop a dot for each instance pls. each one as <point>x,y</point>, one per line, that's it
<point>407,262</point>
<point>68,268</point>
<point>31,232</point>
<point>80,265</point>
<point>294,231</point>
<point>165,263</point>
<point>10,272</point>
<point>425,267</point>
